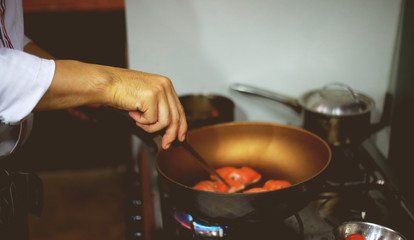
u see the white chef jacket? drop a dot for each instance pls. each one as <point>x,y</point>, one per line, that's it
<point>24,78</point>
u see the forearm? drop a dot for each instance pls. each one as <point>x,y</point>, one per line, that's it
<point>76,84</point>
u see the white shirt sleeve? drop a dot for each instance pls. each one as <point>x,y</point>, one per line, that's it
<point>24,79</point>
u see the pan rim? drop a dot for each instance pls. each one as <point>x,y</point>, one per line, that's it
<point>219,125</point>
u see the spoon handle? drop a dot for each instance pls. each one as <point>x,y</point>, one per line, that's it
<point>207,166</point>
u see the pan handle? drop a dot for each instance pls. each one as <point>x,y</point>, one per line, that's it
<point>289,101</point>
<point>112,117</point>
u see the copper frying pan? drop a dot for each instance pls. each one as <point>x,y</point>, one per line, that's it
<point>275,150</point>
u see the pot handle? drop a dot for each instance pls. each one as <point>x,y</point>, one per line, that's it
<point>289,101</point>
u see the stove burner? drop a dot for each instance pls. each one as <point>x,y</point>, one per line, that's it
<point>197,226</point>
<point>189,227</point>
<point>336,208</point>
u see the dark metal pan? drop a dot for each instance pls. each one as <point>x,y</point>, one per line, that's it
<point>277,151</point>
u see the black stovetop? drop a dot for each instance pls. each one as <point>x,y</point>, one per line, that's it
<point>355,189</point>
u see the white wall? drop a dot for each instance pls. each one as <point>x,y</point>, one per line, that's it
<point>287,46</point>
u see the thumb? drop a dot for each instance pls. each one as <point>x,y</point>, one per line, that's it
<point>143,118</point>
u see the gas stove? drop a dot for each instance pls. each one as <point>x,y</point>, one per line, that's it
<point>355,189</point>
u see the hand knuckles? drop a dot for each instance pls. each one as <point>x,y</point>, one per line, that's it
<point>181,111</point>
<point>165,83</point>
<point>164,80</point>
<point>165,122</point>
<point>153,93</point>
<point>175,118</point>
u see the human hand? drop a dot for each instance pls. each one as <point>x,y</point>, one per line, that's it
<point>151,101</point>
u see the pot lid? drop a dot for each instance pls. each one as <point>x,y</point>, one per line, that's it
<point>337,99</point>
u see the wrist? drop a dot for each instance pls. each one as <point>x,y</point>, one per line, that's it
<point>105,85</point>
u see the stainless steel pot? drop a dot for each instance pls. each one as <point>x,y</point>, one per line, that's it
<point>337,113</point>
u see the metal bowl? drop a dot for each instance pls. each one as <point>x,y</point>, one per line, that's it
<point>370,231</point>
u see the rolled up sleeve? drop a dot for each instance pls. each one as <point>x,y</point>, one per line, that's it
<point>24,79</point>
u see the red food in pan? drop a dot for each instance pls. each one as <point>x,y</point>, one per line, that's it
<point>239,179</point>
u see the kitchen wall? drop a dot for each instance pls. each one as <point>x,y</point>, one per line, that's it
<point>284,46</point>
